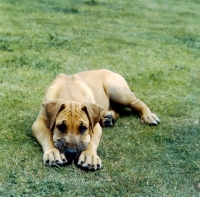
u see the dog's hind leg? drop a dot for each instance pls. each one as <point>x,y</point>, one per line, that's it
<point>118,91</point>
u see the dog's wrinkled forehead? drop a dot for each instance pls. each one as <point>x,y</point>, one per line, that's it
<point>58,107</point>
<point>73,111</point>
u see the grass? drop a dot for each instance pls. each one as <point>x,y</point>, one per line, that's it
<point>154,44</point>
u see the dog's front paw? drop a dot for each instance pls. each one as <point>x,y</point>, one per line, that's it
<point>89,160</point>
<point>53,157</point>
<point>150,119</point>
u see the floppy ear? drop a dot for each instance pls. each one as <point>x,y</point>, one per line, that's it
<point>93,112</point>
<point>52,109</point>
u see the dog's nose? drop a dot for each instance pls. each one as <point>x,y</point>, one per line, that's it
<point>70,152</point>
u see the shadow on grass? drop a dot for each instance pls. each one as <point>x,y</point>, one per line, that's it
<point>64,10</point>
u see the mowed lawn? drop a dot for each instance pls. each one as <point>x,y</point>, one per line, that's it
<point>154,44</point>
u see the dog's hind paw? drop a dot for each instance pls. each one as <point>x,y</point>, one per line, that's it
<point>107,121</point>
<point>150,119</point>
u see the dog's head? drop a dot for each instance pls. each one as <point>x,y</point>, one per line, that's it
<point>72,124</point>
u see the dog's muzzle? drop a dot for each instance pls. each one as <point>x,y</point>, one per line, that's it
<point>71,155</point>
<point>70,152</point>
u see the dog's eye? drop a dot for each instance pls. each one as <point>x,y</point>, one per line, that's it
<point>82,129</point>
<point>62,127</point>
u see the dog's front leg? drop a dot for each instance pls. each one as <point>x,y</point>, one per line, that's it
<point>52,155</point>
<point>89,158</point>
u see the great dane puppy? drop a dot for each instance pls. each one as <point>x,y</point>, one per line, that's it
<point>73,108</point>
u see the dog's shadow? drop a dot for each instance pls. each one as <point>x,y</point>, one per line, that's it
<point>128,112</point>
<point>72,162</point>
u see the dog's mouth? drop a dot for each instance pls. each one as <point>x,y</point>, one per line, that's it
<point>71,153</point>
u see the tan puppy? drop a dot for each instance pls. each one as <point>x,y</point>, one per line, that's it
<point>74,105</point>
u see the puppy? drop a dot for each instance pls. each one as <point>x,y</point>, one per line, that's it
<point>74,106</point>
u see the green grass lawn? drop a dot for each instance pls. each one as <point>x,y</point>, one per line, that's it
<point>154,44</point>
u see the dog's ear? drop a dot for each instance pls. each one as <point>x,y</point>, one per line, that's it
<point>52,108</point>
<point>93,112</point>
